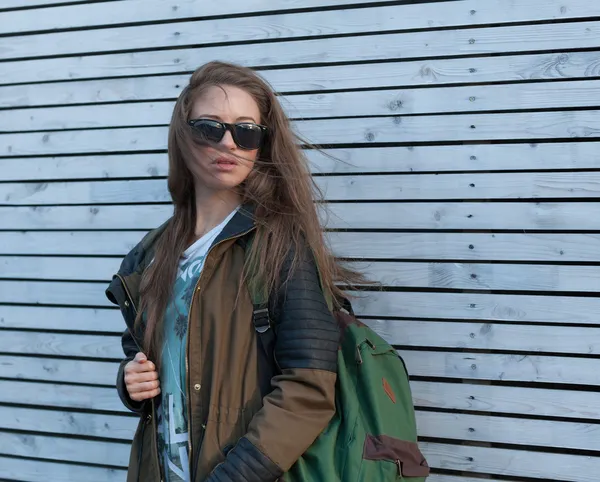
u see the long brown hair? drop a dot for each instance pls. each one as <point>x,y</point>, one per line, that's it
<point>280,187</point>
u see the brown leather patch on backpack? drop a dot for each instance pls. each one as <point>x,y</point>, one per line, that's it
<point>388,390</point>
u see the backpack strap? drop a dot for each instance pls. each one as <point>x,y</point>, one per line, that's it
<point>261,319</point>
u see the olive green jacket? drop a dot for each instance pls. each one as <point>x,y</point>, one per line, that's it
<point>235,433</point>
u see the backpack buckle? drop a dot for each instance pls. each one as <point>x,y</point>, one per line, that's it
<point>260,318</point>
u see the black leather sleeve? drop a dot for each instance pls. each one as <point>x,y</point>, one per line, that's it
<point>245,463</point>
<point>307,334</point>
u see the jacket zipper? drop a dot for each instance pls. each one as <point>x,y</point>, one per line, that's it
<point>187,349</point>
<point>152,416</point>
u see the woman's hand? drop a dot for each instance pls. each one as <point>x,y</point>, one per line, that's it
<point>141,378</point>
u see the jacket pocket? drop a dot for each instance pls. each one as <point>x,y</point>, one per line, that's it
<point>406,455</point>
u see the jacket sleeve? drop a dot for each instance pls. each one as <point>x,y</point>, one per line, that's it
<point>130,349</point>
<point>302,401</point>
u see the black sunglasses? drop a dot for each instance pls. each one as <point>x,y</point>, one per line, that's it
<point>247,135</point>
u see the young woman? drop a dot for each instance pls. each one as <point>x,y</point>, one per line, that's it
<point>192,366</point>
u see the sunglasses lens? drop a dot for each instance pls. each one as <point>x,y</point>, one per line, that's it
<point>248,136</point>
<point>207,130</point>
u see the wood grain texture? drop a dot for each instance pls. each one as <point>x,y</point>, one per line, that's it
<point>527,216</point>
<point>71,319</point>
<point>527,433</point>
<point>410,305</point>
<point>410,45</point>
<point>406,333</point>
<point>499,367</point>
<point>282,26</point>
<point>518,463</point>
<point>57,293</point>
<point>441,275</point>
<point>475,428</point>
<point>68,423</point>
<point>489,336</point>
<point>9,4</point>
<point>58,370</point>
<point>40,471</point>
<point>495,277</point>
<point>428,72</point>
<point>61,344</point>
<point>440,128</point>
<point>506,399</point>
<point>65,242</point>
<point>65,449</point>
<point>91,269</point>
<point>455,396</point>
<point>60,396</point>
<point>152,10</point>
<point>385,187</point>
<point>412,159</point>
<point>433,246</point>
<point>485,307</point>
<point>528,96</point>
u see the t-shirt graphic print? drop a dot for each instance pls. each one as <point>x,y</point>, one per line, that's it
<point>172,415</point>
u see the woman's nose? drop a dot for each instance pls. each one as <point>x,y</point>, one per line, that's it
<point>228,141</point>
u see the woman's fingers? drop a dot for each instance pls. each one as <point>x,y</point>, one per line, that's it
<point>143,387</point>
<point>140,396</point>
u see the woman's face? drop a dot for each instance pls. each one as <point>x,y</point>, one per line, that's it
<point>229,166</point>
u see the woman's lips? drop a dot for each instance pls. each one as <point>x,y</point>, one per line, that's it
<point>225,164</point>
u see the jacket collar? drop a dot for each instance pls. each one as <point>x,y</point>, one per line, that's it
<point>138,259</point>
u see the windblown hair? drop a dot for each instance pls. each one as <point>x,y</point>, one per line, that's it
<point>280,186</point>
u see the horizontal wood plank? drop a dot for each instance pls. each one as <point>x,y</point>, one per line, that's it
<point>52,318</point>
<point>10,4</point>
<point>58,370</point>
<point>478,306</point>
<point>471,276</point>
<point>409,305</point>
<point>475,428</point>
<point>40,471</point>
<point>450,396</point>
<point>499,367</point>
<point>406,333</point>
<point>91,269</point>
<point>411,45</point>
<point>489,336</point>
<point>529,216</point>
<point>518,431</point>
<point>385,187</point>
<point>506,399</point>
<point>518,463</point>
<point>283,25</point>
<point>526,216</point>
<point>412,159</point>
<point>60,396</point>
<point>471,366</point>
<point>430,72</point>
<point>439,128</point>
<point>69,243</point>
<point>151,10</point>
<point>468,276</point>
<point>440,100</point>
<point>58,293</point>
<point>366,245</point>
<point>65,449</point>
<point>67,423</point>
<point>61,344</point>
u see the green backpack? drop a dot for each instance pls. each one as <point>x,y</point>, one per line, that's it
<point>373,435</point>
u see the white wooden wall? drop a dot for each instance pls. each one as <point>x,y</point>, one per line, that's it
<point>468,132</point>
